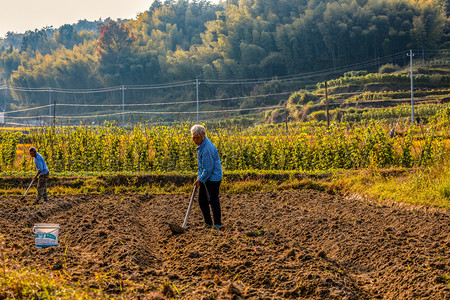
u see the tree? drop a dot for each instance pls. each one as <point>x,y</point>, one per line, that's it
<point>67,36</point>
<point>9,62</point>
<point>115,49</point>
<point>274,65</point>
<point>428,26</point>
<point>35,41</point>
<point>115,42</point>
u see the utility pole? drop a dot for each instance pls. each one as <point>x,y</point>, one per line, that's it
<point>49,103</point>
<point>123,104</point>
<point>54,113</point>
<point>196,91</point>
<point>5,87</point>
<point>6,92</point>
<point>410,54</point>
<point>326,100</point>
<point>286,116</point>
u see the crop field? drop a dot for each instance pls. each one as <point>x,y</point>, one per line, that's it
<point>284,245</point>
<point>301,241</point>
<point>332,124</point>
<point>154,149</point>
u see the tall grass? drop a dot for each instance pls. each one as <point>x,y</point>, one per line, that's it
<point>424,186</point>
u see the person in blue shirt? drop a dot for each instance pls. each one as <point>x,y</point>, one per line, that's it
<point>209,176</point>
<point>42,174</point>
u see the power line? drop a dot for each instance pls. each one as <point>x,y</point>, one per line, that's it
<point>159,86</point>
<point>305,75</point>
<point>153,112</point>
<point>153,104</point>
<point>27,109</point>
<point>301,77</point>
<point>180,102</point>
<point>313,74</point>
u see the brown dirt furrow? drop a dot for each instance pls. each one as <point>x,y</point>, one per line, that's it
<point>286,245</point>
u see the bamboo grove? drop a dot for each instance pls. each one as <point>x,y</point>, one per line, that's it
<point>158,149</point>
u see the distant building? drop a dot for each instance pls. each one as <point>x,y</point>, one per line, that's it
<point>2,116</point>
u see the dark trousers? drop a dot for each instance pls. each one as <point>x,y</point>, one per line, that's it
<point>42,187</point>
<point>208,196</point>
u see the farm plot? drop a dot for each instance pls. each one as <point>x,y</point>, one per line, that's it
<point>292,244</point>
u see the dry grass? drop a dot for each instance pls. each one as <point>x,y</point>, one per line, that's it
<point>427,186</point>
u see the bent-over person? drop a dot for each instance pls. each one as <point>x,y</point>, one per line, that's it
<point>41,174</point>
<point>209,176</point>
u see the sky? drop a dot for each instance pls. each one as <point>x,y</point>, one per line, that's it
<point>21,15</point>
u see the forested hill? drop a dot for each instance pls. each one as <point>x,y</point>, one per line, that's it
<point>183,40</point>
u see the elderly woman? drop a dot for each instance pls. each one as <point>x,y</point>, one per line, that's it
<point>209,176</point>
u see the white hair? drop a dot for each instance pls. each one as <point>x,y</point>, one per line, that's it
<point>198,130</point>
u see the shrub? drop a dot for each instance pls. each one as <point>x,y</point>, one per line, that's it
<point>318,116</point>
<point>388,68</point>
<point>355,73</point>
<point>302,97</point>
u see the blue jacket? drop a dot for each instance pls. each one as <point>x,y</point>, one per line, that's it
<point>40,164</point>
<point>208,160</point>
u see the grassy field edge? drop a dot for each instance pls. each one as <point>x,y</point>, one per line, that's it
<point>418,186</point>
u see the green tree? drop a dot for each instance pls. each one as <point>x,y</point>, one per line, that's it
<point>9,62</point>
<point>428,26</point>
<point>115,49</point>
<point>67,36</point>
<point>36,40</point>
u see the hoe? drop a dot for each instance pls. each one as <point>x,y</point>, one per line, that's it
<point>176,229</point>
<point>26,192</point>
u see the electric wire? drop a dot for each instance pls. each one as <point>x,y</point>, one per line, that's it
<point>287,78</point>
<point>27,109</point>
<point>63,117</point>
<point>313,74</point>
<point>173,103</point>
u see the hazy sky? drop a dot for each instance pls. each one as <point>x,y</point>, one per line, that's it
<point>22,15</point>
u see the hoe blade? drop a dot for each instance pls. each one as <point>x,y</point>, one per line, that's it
<point>176,229</point>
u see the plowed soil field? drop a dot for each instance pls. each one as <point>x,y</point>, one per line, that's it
<point>288,245</point>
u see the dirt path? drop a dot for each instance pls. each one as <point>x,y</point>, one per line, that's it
<point>298,244</point>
